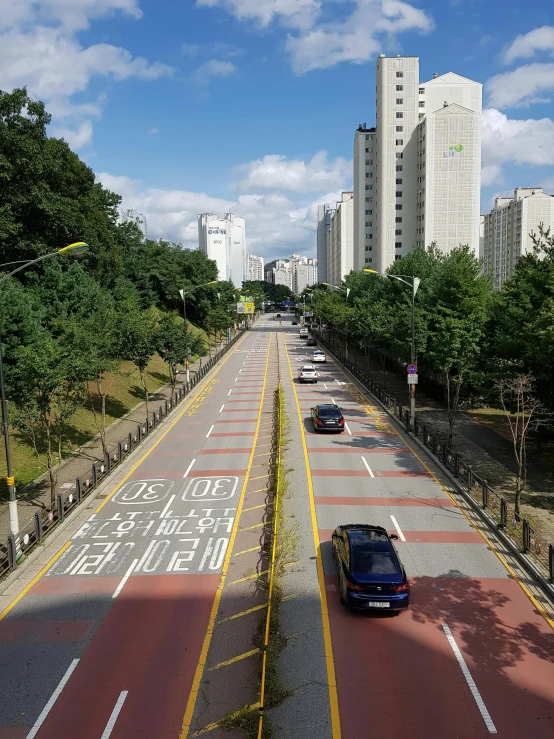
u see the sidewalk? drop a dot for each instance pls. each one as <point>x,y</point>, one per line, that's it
<point>490,454</point>
<point>36,495</point>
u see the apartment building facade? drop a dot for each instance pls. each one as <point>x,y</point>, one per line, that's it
<point>340,240</point>
<point>324,214</point>
<point>364,203</point>
<point>507,230</point>
<point>296,273</point>
<point>255,268</point>
<point>224,240</point>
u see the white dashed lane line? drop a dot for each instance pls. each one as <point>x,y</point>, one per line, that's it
<point>398,529</point>
<point>189,468</point>
<point>368,468</point>
<point>210,431</point>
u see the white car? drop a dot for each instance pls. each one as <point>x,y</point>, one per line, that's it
<point>318,356</point>
<point>304,333</point>
<point>307,373</point>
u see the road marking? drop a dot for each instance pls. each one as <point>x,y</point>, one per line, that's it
<point>230,391</point>
<point>347,427</point>
<point>333,401</point>
<point>126,576</point>
<point>209,432</point>
<point>327,642</point>
<point>236,378</point>
<point>53,698</point>
<point>253,508</point>
<point>189,468</point>
<point>162,514</point>
<point>195,688</point>
<point>251,653</point>
<point>243,613</point>
<point>364,460</point>
<point>325,386</point>
<point>115,713</point>
<point>249,577</point>
<point>252,549</point>
<point>398,529</point>
<point>222,407</point>
<point>470,681</point>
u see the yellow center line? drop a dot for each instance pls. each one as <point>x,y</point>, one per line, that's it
<point>328,647</point>
<point>251,653</point>
<point>187,718</point>
<point>248,577</point>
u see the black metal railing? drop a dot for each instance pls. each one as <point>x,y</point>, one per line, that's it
<point>69,495</point>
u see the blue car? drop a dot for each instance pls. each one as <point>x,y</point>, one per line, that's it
<point>371,575</point>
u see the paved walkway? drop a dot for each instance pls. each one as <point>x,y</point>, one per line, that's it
<point>36,495</point>
<point>489,453</point>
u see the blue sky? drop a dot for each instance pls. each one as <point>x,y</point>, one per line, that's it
<point>251,105</point>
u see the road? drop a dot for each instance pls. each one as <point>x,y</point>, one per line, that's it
<point>107,643</point>
<point>142,624</point>
<point>472,656</point>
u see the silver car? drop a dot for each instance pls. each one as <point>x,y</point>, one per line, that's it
<point>307,373</point>
<point>318,356</point>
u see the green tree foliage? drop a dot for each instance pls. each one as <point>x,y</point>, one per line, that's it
<point>171,343</point>
<point>137,340</point>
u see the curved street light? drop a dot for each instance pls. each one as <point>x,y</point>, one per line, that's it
<point>183,293</point>
<point>79,247</point>
<point>414,283</point>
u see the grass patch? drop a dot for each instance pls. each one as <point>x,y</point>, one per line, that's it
<point>246,719</point>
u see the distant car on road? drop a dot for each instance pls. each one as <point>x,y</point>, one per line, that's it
<point>304,333</point>
<point>311,341</point>
<point>307,373</point>
<point>318,356</point>
<point>278,316</point>
<point>327,417</point>
<point>294,323</point>
<point>371,575</point>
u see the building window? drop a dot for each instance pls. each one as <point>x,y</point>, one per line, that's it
<point>367,137</point>
<point>368,187</point>
<point>422,91</point>
<point>399,168</point>
<point>369,200</point>
<point>398,182</point>
<point>399,101</point>
<point>400,155</point>
<point>369,212</point>
<point>399,74</point>
<point>397,257</point>
<point>399,193</point>
<point>368,149</point>
<point>422,103</point>
<point>399,142</point>
<point>367,175</point>
<point>368,224</point>
<point>399,88</point>
<point>398,206</point>
<point>399,115</point>
<point>399,129</point>
<point>398,219</point>
<point>369,236</point>
<point>369,248</point>
<point>398,245</point>
<point>398,232</point>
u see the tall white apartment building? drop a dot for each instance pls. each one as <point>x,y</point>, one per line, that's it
<point>508,228</point>
<point>280,273</point>
<point>255,268</point>
<point>340,240</point>
<point>365,190</point>
<point>421,164</point>
<point>224,240</point>
<point>324,214</point>
<point>296,273</point>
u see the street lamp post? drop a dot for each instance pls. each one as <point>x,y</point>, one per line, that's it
<point>183,294</point>
<point>412,282</point>
<point>347,291</point>
<point>79,247</point>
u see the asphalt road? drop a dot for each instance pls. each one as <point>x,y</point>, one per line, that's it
<point>472,656</point>
<point>107,642</point>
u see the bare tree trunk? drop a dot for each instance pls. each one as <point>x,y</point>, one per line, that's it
<point>51,471</point>
<point>145,387</point>
<point>452,403</point>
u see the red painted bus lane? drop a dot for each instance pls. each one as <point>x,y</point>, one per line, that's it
<point>148,645</point>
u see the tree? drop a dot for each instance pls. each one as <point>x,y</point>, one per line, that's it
<point>523,411</point>
<point>456,301</point>
<point>171,343</point>
<point>48,390</point>
<point>138,340</point>
<point>217,320</point>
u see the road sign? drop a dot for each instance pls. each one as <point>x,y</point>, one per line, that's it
<point>412,379</point>
<point>412,369</point>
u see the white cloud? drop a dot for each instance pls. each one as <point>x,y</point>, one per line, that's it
<point>521,87</point>
<point>275,172</point>
<point>276,223</point>
<point>291,13</point>
<point>523,142</point>
<point>318,44</point>
<point>154,130</point>
<point>526,45</point>
<point>40,50</point>
<point>210,69</point>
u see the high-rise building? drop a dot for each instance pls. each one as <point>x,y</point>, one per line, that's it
<point>417,174</point>
<point>324,214</point>
<point>365,191</point>
<point>255,268</point>
<point>224,240</point>
<point>508,228</point>
<point>340,240</point>
<point>296,273</point>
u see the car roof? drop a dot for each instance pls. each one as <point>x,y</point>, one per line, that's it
<point>329,405</point>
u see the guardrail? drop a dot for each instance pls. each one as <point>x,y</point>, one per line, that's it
<point>70,495</point>
<point>500,510</point>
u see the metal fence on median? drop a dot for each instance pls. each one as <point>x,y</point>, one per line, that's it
<point>497,506</point>
<point>69,495</point>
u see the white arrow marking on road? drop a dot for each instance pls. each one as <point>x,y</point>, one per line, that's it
<point>367,467</point>
<point>115,713</point>
<point>53,698</point>
<point>470,681</point>
<point>398,529</point>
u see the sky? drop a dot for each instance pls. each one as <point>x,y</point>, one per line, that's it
<point>250,106</point>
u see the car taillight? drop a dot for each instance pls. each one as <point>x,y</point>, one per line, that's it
<point>351,586</point>
<point>401,588</point>
<point>319,423</point>
<point>341,422</point>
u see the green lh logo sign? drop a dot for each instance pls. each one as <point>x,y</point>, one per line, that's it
<point>452,150</point>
